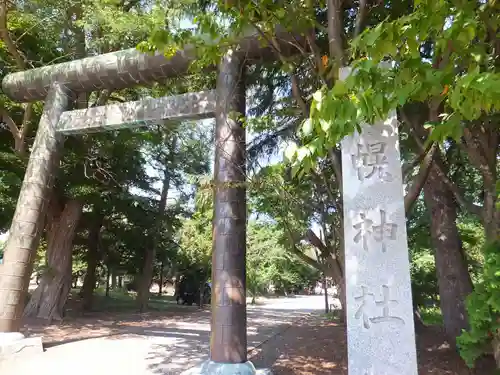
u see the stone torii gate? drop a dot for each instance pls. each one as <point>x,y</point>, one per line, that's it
<point>379,304</point>
<point>58,85</point>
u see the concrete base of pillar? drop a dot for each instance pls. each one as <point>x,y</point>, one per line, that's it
<point>13,344</point>
<point>215,368</point>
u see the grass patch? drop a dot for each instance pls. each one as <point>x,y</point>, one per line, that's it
<point>332,316</point>
<point>121,300</point>
<point>431,315</point>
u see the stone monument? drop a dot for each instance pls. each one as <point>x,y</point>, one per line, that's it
<point>380,327</point>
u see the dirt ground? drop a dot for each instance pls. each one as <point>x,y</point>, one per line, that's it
<point>104,324</point>
<point>316,346</point>
<point>312,346</point>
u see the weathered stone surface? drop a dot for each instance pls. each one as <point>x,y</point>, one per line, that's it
<point>214,368</point>
<point>127,68</point>
<point>28,222</point>
<point>228,341</point>
<point>191,106</point>
<point>380,328</point>
<point>14,344</point>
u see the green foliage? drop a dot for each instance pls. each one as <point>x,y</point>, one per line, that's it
<point>423,275</point>
<point>483,307</point>
<point>431,316</point>
<point>439,54</point>
<point>269,263</point>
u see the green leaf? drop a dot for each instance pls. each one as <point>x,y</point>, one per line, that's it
<point>339,89</point>
<point>325,125</point>
<point>318,96</point>
<point>290,151</point>
<point>307,127</point>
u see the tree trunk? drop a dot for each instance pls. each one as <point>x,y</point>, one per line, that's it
<point>160,286</point>
<point>343,301</point>
<point>325,288</point>
<point>144,282</point>
<point>108,279</point>
<point>92,258</point>
<point>417,321</point>
<point>491,214</point>
<point>335,270</point>
<point>113,280</point>
<point>49,298</point>
<point>147,271</point>
<point>454,281</point>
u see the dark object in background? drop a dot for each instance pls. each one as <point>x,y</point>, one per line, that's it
<point>131,286</point>
<point>188,291</point>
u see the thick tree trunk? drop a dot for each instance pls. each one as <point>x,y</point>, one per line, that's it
<point>454,281</point>
<point>144,283</point>
<point>49,298</point>
<point>92,258</point>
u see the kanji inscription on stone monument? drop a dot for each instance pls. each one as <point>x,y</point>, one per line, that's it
<point>367,229</point>
<point>385,303</point>
<point>370,161</point>
<point>380,328</point>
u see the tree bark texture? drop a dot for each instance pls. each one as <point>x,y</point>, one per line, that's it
<point>160,285</point>
<point>92,258</point>
<point>228,342</point>
<point>491,213</point>
<point>108,279</point>
<point>48,299</point>
<point>113,280</point>
<point>29,218</point>
<point>325,289</point>
<point>149,259</point>
<point>454,281</point>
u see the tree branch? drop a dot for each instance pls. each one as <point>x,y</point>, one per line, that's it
<point>335,157</point>
<point>325,251</point>
<point>335,31</point>
<point>475,151</point>
<point>419,181</point>
<point>5,35</point>
<point>314,240</point>
<point>361,17</point>
<point>310,37</point>
<point>18,133</point>
<point>306,259</point>
<point>418,132</point>
<point>460,198</point>
<point>295,84</point>
<point>408,167</point>
<point>102,98</point>
<point>10,123</point>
